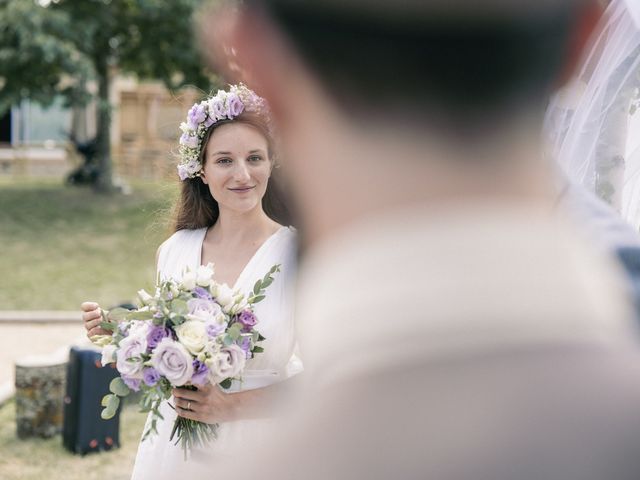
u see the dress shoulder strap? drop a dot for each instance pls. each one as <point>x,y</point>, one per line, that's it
<point>180,250</point>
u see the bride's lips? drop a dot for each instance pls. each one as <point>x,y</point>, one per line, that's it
<point>242,189</point>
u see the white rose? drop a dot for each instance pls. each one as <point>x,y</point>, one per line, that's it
<point>108,354</point>
<point>227,363</point>
<point>128,359</point>
<point>189,280</point>
<point>173,361</point>
<point>204,274</point>
<point>139,329</point>
<point>224,296</point>
<point>193,335</point>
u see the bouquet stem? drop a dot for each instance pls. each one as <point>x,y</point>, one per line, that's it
<point>190,433</point>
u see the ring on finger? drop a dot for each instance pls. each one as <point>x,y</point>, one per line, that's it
<point>189,406</point>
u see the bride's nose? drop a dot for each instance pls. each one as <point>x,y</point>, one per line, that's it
<point>241,172</point>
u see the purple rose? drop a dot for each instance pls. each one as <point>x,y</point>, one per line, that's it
<point>129,355</point>
<point>247,319</point>
<point>156,334</point>
<point>235,105</point>
<point>150,376</point>
<point>200,373</point>
<point>196,116</point>
<point>132,383</point>
<point>217,109</point>
<point>202,293</point>
<point>204,310</point>
<point>214,329</point>
<point>172,360</point>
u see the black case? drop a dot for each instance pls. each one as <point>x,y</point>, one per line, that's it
<point>87,382</point>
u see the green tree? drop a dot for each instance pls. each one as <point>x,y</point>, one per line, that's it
<point>54,47</point>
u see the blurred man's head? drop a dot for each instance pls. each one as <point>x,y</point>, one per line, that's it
<point>372,93</point>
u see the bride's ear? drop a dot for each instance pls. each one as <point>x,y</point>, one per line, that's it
<point>203,178</point>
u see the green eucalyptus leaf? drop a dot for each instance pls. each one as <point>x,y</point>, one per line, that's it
<point>226,383</point>
<point>118,387</point>
<point>257,287</point>
<point>107,414</point>
<point>105,400</point>
<point>113,403</point>
<point>108,326</point>
<point>257,299</point>
<point>179,306</point>
<point>118,314</point>
<point>257,349</point>
<point>140,315</point>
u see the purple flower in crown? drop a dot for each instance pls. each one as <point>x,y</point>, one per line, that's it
<point>156,334</point>
<point>183,172</point>
<point>200,373</point>
<point>217,108</point>
<point>234,105</point>
<point>150,376</point>
<point>188,140</point>
<point>202,293</point>
<point>247,319</point>
<point>132,383</point>
<point>197,114</point>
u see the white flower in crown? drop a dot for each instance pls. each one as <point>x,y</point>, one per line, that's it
<point>224,105</point>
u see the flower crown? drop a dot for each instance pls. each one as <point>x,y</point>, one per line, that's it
<point>221,106</point>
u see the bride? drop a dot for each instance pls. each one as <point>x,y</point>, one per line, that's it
<point>227,214</point>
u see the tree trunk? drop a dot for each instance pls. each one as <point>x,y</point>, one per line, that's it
<point>40,389</point>
<point>104,183</point>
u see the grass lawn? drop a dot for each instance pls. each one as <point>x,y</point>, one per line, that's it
<point>53,462</point>
<point>63,245</point>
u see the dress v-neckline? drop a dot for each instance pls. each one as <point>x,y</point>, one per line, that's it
<point>249,262</point>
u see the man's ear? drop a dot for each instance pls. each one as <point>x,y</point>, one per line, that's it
<point>587,20</point>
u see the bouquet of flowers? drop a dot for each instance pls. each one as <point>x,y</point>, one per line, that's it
<point>191,332</point>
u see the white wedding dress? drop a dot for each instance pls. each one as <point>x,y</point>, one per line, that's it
<point>157,457</point>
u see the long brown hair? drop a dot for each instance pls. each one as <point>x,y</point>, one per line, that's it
<point>196,207</point>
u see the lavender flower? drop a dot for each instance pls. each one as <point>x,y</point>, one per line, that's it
<point>150,376</point>
<point>202,293</point>
<point>247,319</point>
<point>200,373</point>
<point>155,335</point>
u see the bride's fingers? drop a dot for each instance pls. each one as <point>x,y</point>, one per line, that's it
<point>189,414</point>
<point>91,324</point>
<point>193,395</point>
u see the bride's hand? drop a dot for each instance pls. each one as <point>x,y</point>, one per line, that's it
<point>92,318</point>
<point>208,404</point>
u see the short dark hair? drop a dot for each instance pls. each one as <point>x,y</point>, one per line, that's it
<point>435,66</point>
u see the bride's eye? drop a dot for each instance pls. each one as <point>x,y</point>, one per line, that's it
<point>255,158</point>
<point>223,161</point>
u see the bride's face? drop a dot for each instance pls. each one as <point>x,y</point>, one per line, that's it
<point>237,166</point>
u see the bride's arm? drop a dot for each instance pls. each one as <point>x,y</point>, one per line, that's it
<point>209,404</point>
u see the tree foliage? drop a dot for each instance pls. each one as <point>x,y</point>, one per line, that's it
<point>54,47</point>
